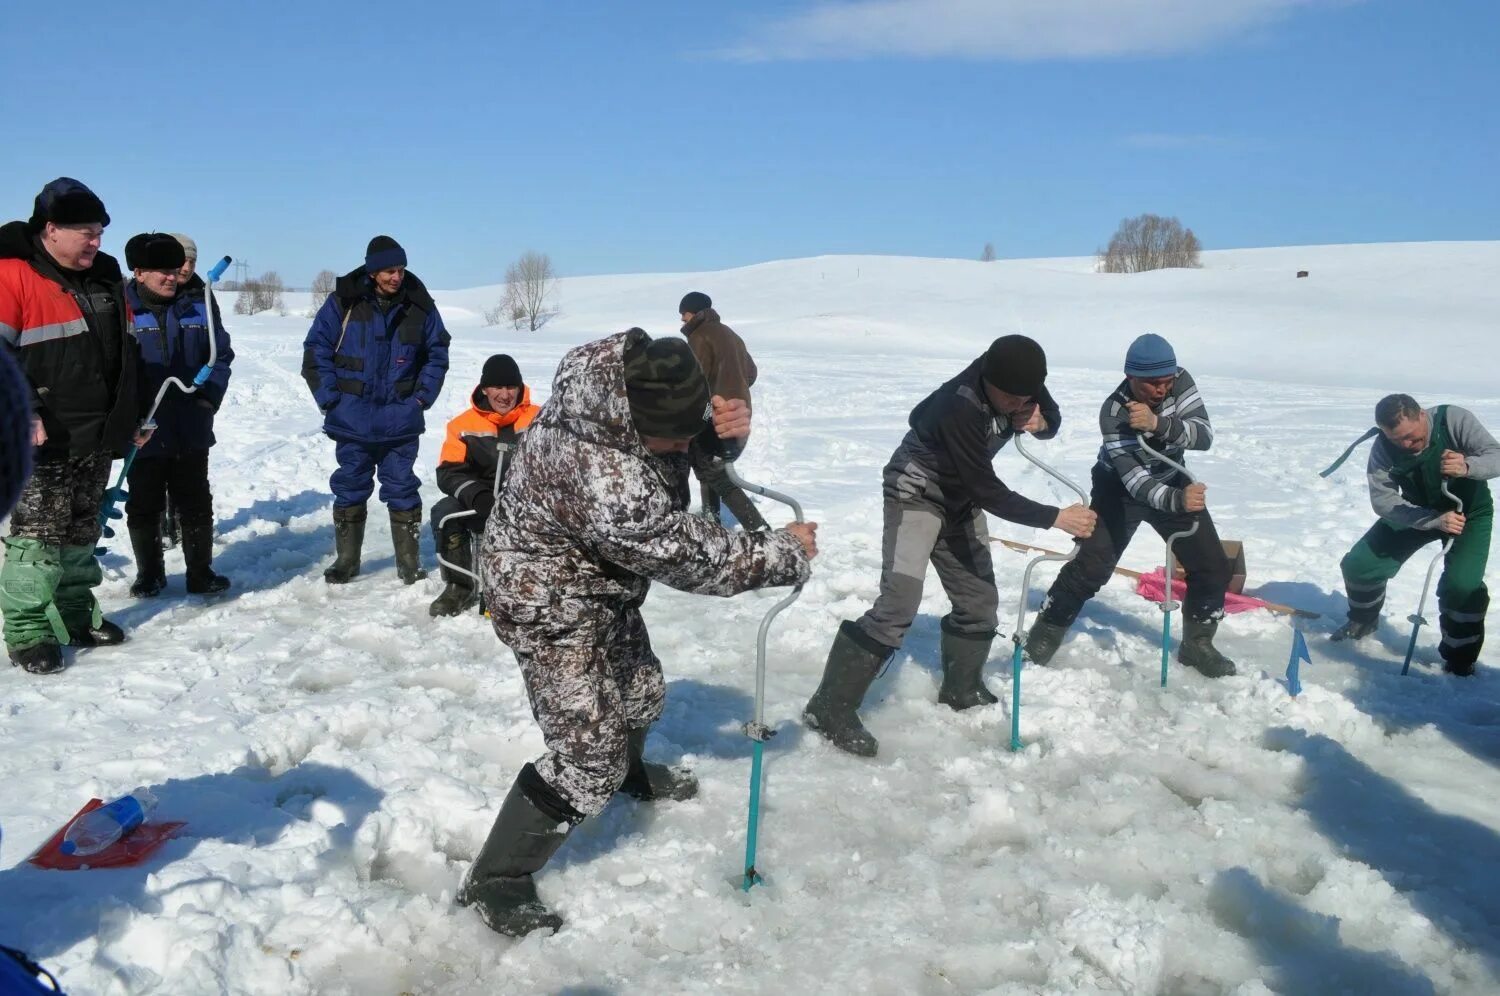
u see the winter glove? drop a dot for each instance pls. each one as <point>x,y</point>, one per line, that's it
<point>483,503</point>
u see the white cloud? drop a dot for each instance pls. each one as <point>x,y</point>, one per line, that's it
<point>1012,29</point>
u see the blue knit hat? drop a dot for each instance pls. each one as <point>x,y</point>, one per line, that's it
<point>15,432</point>
<point>1150,356</point>
<point>382,253</point>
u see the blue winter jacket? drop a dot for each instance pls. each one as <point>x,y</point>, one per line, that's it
<point>373,370</point>
<point>175,344</point>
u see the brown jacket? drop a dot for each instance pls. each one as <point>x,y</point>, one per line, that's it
<point>722,355</point>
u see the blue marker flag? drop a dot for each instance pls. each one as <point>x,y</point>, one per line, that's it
<point>1299,654</point>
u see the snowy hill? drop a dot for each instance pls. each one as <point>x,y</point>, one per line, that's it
<point>339,756</point>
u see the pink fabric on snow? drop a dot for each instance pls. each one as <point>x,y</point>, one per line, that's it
<point>1150,586</point>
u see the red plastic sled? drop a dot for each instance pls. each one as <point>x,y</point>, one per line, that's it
<point>132,849</point>
<point>1149,586</point>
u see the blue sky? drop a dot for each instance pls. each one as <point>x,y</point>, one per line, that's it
<point>686,136</point>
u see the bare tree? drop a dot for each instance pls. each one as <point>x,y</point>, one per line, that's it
<point>322,286</point>
<point>530,292</point>
<point>1149,242</point>
<point>988,255</point>
<point>262,293</point>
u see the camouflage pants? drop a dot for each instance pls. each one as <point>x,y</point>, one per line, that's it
<point>591,677</point>
<point>60,504</point>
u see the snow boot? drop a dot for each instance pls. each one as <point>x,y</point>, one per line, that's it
<point>39,658</point>
<point>1355,629</point>
<point>649,782</point>
<point>853,661</point>
<point>101,634</point>
<point>198,552</point>
<point>456,548</point>
<point>533,823</point>
<point>1043,640</point>
<point>1460,669</point>
<point>406,538</point>
<point>964,656</point>
<point>1197,649</point>
<point>348,538</point>
<point>150,571</point>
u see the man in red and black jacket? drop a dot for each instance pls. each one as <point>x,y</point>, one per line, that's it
<point>63,313</point>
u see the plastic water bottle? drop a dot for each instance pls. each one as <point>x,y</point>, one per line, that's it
<point>94,831</point>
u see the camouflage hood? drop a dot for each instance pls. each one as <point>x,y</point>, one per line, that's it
<point>588,394</point>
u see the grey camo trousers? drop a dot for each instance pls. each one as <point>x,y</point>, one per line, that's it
<point>591,677</point>
<point>60,504</point>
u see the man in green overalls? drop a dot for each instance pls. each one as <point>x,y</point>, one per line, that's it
<point>1417,454</point>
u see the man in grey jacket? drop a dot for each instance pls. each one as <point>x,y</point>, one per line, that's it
<point>1423,465</point>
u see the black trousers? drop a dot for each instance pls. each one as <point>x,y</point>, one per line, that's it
<point>714,485</point>
<point>151,479</point>
<point>1201,555</point>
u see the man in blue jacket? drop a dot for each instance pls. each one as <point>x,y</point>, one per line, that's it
<point>172,326</point>
<point>375,359</point>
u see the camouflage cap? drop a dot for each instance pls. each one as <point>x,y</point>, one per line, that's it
<point>669,395</point>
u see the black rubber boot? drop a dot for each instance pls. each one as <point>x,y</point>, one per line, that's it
<point>406,538</point>
<point>1043,640</point>
<point>459,596</point>
<point>1198,651</point>
<point>39,658</point>
<point>648,781</point>
<point>198,552</point>
<point>964,656</point>
<point>533,823</point>
<point>1355,629</point>
<point>106,634</point>
<point>853,661</point>
<point>348,539</point>
<point>150,571</point>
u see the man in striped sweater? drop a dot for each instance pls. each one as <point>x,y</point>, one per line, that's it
<point>1157,400</point>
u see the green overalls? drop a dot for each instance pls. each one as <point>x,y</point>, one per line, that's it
<point>1379,554</point>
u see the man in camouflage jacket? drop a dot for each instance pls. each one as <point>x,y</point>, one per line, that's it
<point>594,508</point>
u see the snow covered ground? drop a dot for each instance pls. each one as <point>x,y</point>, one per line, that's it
<point>339,756</point>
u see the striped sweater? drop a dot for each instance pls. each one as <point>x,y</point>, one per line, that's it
<point>1182,424</point>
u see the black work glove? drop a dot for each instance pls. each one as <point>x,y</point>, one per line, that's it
<point>483,504</point>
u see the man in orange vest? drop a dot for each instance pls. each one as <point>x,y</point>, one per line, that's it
<point>472,464</point>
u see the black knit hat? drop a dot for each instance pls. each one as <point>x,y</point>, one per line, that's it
<point>668,393</point>
<point>694,302</point>
<point>154,251</point>
<point>501,371</point>
<point>65,201</point>
<point>15,432</point>
<point>1016,365</point>
<point>382,253</point>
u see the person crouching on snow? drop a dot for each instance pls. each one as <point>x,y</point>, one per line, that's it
<point>1419,452</point>
<point>595,508</point>
<point>938,486</point>
<point>1159,401</point>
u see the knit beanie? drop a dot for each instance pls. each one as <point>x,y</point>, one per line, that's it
<point>1150,356</point>
<point>1016,365</point>
<point>694,302</point>
<point>500,371</point>
<point>15,432</point>
<point>65,201</point>
<point>668,393</point>
<point>382,253</point>
<point>189,247</point>
<point>154,251</point>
